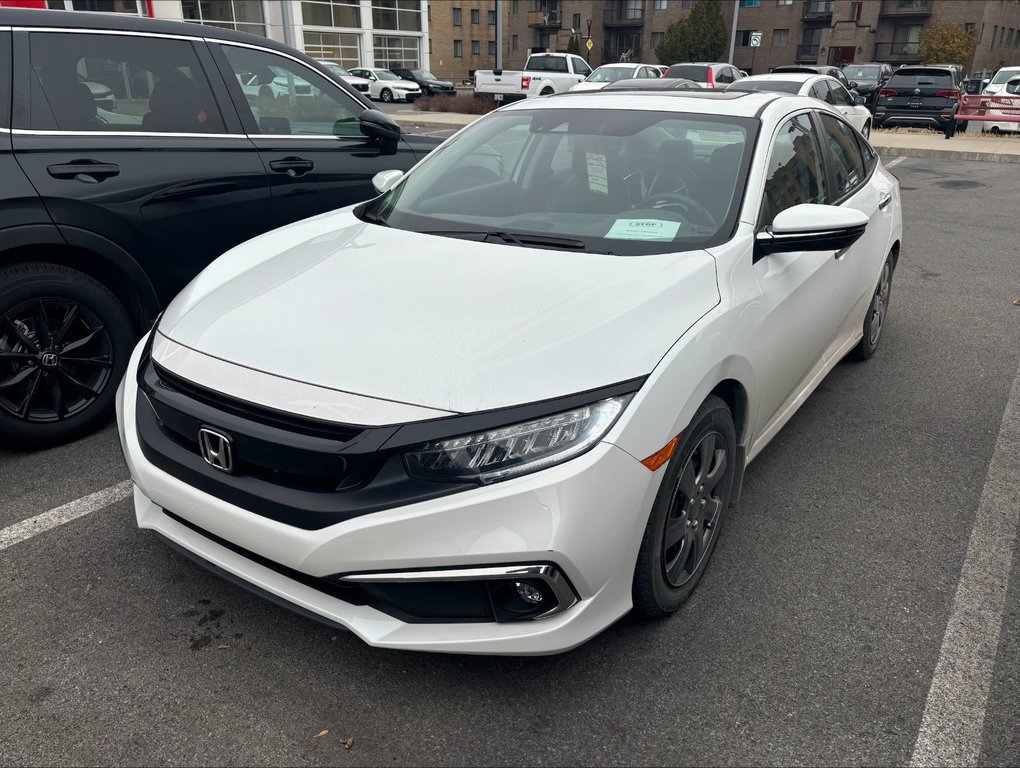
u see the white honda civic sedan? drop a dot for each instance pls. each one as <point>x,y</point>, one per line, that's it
<point>821,87</point>
<point>512,398</point>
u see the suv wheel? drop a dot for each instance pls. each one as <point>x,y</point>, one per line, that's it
<point>64,344</point>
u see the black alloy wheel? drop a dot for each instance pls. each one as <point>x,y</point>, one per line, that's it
<point>64,342</point>
<point>687,516</point>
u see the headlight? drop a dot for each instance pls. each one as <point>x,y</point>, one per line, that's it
<point>499,454</point>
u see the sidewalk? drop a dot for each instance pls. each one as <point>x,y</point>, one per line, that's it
<point>914,144</point>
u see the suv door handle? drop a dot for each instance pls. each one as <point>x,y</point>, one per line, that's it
<point>884,202</point>
<point>85,171</point>
<point>292,166</point>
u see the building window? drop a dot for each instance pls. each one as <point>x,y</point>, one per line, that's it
<point>430,46</point>
<point>969,28</point>
<point>657,39</point>
<point>515,7</point>
<point>995,32</point>
<point>100,6</point>
<point>393,51</point>
<point>476,48</point>
<point>475,16</point>
<point>905,39</point>
<point>342,47</point>
<point>491,18</point>
<point>492,47</point>
<point>660,5</point>
<point>458,49</point>
<point>784,2</point>
<point>855,11</point>
<point>243,15</point>
<point>750,3</point>
<point>575,22</point>
<point>404,15</point>
<point>513,42</point>
<point>458,17</point>
<point>744,37</point>
<point>323,13</point>
<point>780,38</point>
<point>543,42</point>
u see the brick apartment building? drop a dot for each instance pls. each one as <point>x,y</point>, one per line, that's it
<point>463,37</point>
<point>793,31</point>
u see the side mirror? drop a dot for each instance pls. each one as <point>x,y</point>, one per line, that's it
<point>811,227</point>
<point>860,101</point>
<point>384,180</point>
<point>377,125</point>
<point>986,81</point>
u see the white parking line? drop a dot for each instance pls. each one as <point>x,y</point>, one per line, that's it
<point>954,715</point>
<point>897,161</point>
<point>65,513</point>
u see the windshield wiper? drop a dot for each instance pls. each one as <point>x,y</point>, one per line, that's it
<point>521,239</point>
<point>373,218</point>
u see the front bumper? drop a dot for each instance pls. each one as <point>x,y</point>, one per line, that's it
<point>586,517</point>
<point>405,95</point>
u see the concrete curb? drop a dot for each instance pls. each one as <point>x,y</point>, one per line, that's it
<point>947,154</point>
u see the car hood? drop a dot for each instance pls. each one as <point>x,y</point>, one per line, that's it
<point>449,324</point>
<point>355,80</point>
<point>439,83</point>
<point>402,83</point>
<point>588,86</point>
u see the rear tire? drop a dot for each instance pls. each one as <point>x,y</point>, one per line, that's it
<point>687,515</point>
<point>874,321</point>
<point>65,340</point>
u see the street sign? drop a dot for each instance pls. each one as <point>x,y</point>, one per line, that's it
<point>756,39</point>
<point>589,45</point>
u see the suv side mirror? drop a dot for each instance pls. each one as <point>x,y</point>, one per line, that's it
<point>377,125</point>
<point>986,81</point>
<point>811,227</point>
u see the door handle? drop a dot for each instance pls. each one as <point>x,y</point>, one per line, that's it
<point>85,171</point>
<point>292,166</point>
<point>884,202</point>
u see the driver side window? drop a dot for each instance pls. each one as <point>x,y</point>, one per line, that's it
<point>796,173</point>
<point>840,96</point>
<point>289,99</point>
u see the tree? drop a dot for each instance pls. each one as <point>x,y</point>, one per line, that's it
<point>573,46</point>
<point>945,43</point>
<point>699,36</point>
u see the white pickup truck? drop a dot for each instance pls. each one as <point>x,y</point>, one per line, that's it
<point>544,73</point>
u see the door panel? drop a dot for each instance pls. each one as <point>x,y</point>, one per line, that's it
<point>123,137</point>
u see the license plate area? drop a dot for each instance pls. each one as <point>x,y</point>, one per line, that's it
<point>497,97</point>
<point>914,101</point>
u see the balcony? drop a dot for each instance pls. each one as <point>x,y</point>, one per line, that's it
<point>897,53</point>
<point>807,54</point>
<point>625,16</point>
<point>612,54</point>
<point>904,8</point>
<point>818,10</point>
<point>547,18</point>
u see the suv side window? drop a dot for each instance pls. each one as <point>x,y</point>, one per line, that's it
<point>796,174</point>
<point>289,99</point>
<point>83,82</point>
<point>850,168</point>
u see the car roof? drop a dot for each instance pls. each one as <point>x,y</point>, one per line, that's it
<point>786,77</point>
<point>701,101</point>
<point>652,84</point>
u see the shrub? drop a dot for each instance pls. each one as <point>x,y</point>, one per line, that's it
<point>464,103</point>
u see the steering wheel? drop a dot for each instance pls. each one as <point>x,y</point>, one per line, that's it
<point>683,201</point>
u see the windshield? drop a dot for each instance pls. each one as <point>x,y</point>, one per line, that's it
<point>336,69</point>
<point>385,74</point>
<point>423,74</point>
<point>610,74</point>
<point>689,71</point>
<point>626,182</point>
<point>1004,74</point>
<point>773,86</point>
<point>861,73</point>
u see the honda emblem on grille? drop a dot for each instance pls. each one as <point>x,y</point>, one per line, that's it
<point>217,449</point>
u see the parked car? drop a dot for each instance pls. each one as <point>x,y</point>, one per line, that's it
<point>102,94</point>
<point>821,87</point>
<point>610,73</point>
<point>383,85</point>
<point>657,84</point>
<point>922,95</point>
<point>430,84</point>
<point>359,83</point>
<point>707,75</point>
<point>1000,79</point>
<point>1010,88</point>
<point>106,214</point>
<point>867,80</point>
<point>568,333</point>
<point>809,69</point>
<point>543,75</point>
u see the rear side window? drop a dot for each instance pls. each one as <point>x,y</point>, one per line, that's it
<point>915,78</point>
<point>84,82</point>
<point>851,170</point>
<point>689,71</point>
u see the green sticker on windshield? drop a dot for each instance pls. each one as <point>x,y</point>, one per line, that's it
<point>643,229</point>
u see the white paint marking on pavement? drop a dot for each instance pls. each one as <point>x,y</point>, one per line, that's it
<point>897,161</point>
<point>65,513</point>
<point>954,714</point>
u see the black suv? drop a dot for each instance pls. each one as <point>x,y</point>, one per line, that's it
<point>133,152</point>
<point>429,83</point>
<point>870,78</point>
<point>925,96</point>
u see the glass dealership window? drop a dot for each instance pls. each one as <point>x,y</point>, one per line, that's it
<point>403,15</point>
<point>242,15</point>
<point>342,47</point>
<point>99,6</point>
<point>331,13</point>
<point>398,51</point>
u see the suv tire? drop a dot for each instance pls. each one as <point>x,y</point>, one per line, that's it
<point>64,345</point>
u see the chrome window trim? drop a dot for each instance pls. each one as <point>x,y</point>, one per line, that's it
<point>142,134</point>
<point>129,33</point>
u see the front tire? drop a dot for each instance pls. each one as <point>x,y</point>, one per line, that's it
<point>64,344</point>
<point>386,95</point>
<point>687,516</point>
<point>874,321</point>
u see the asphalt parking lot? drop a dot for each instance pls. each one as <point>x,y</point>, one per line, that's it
<point>818,636</point>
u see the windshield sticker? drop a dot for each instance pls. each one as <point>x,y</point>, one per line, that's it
<point>643,229</point>
<point>598,177</point>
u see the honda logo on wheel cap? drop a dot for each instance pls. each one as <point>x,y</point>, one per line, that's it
<point>217,449</point>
